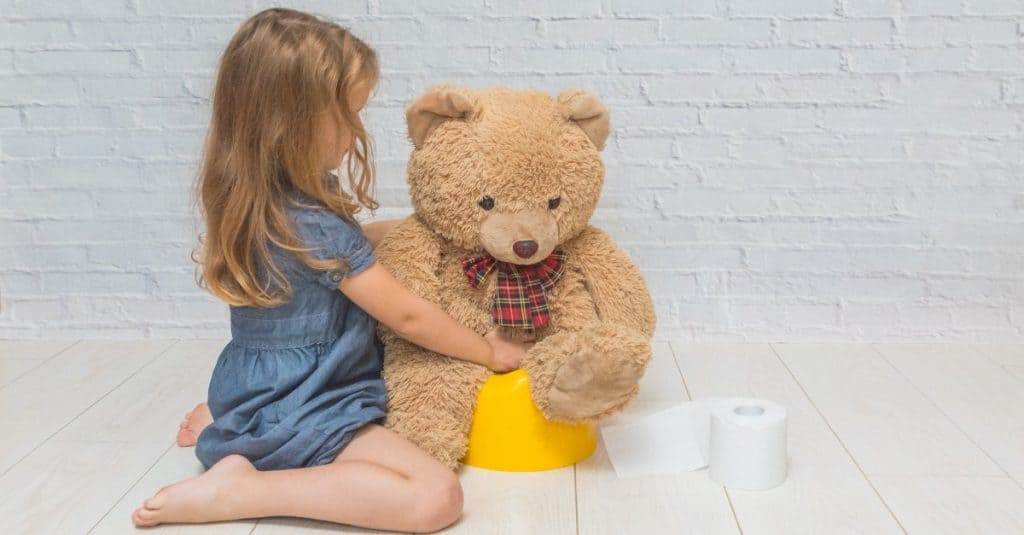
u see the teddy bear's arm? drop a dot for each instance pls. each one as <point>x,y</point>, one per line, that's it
<point>614,281</point>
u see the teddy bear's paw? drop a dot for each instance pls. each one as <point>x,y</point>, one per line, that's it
<point>600,377</point>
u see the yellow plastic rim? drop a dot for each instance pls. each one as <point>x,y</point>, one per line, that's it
<point>510,434</point>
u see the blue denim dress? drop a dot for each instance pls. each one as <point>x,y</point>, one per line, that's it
<point>297,381</point>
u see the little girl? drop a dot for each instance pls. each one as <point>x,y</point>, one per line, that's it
<point>296,396</point>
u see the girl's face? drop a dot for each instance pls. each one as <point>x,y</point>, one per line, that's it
<point>336,140</point>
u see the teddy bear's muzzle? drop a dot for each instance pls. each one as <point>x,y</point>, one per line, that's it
<point>524,237</point>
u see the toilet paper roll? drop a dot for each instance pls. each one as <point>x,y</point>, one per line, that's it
<point>747,444</point>
<point>742,441</point>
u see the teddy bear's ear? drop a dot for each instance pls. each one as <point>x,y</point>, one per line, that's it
<point>439,103</point>
<point>586,110</point>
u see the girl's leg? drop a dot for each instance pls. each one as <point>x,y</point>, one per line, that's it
<point>376,444</point>
<point>193,424</point>
<point>381,481</point>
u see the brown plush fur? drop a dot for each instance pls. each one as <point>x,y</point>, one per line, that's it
<point>520,148</point>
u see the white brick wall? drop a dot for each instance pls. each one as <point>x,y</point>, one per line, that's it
<point>782,170</point>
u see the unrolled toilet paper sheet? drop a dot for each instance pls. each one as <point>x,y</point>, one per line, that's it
<point>668,441</point>
<point>742,440</point>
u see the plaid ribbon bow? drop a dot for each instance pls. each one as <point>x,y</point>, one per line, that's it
<point>521,301</point>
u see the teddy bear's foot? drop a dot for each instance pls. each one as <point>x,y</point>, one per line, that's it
<point>599,375</point>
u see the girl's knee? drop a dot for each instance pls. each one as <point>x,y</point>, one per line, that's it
<point>441,502</point>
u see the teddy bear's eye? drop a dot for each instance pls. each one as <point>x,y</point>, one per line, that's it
<point>487,202</point>
<point>554,202</point>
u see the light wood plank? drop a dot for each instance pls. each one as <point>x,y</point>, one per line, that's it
<point>1005,354</point>
<point>45,399</point>
<point>670,503</point>
<point>888,426</point>
<point>175,464</point>
<point>153,402</point>
<point>955,505</point>
<point>825,491</point>
<point>32,349</point>
<point>12,368</point>
<point>509,503</point>
<point>66,487</point>
<point>17,357</point>
<point>681,503</point>
<point>298,526</point>
<point>1010,357</point>
<point>976,393</point>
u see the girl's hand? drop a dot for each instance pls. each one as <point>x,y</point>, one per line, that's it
<point>425,324</point>
<point>506,354</point>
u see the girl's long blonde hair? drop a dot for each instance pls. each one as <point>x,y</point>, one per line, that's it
<point>280,74</point>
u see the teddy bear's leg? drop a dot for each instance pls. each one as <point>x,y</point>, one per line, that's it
<point>431,399</point>
<point>587,374</point>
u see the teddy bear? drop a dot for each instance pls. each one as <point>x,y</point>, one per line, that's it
<point>503,184</point>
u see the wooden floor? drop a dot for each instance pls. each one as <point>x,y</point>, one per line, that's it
<point>884,438</point>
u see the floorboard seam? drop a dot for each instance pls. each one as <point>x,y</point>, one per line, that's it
<point>91,405</point>
<point>945,415</point>
<point>838,438</point>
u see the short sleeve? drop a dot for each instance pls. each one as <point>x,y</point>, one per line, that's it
<point>331,237</point>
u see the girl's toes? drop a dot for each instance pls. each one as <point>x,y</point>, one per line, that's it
<point>143,517</point>
<point>185,438</point>
<point>157,501</point>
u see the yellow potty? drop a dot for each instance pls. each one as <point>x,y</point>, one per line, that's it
<point>510,434</point>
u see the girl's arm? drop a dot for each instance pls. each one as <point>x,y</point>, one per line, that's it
<point>376,230</point>
<point>426,324</point>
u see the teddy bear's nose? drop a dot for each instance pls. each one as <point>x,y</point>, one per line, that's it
<point>525,248</point>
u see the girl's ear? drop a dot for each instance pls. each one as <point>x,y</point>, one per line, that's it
<point>588,113</point>
<point>437,104</point>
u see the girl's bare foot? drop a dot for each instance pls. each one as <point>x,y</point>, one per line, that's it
<point>195,421</point>
<point>206,498</point>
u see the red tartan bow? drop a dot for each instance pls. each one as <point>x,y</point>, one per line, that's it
<point>521,300</point>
